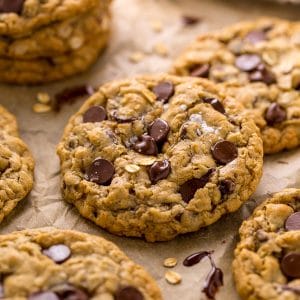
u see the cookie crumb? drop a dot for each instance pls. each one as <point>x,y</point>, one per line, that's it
<point>131,168</point>
<point>161,49</point>
<point>157,25</point>
<point>43,98</point>
<point>136,57</point>
<point>170,262</point>
<point>41,108</point>
<point>172,277</point>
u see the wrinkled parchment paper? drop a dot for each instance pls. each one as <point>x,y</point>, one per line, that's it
<point>132,32</point>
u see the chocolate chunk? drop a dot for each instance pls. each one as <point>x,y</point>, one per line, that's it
<point>247,62</point>
<point>293,222</point>
<point>195,258</point>
<point>213,281</point>
<point>43,296</point>
<point>224,152</point>
<point>159,130</point>
<point>216,104</point>
<point>69,292</point>
<point>145,145</point>
<point>256,36</point>
<point>226,187</point>
<point>58,253</point>
<point>11,6</point>
<point>159,170</point>
<point>101,171</point>
<point>164,91</point>
<point>189,188</point>
<point>94,114</point>
<point>128,293</point>
<point>275,114</point>
<point>290,265</point>
<point>190,20</point>
<point>200,71</point>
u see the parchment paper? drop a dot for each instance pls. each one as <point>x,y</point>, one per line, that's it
<point>132,32</point>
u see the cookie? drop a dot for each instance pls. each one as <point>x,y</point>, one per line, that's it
<point>49,69</point>
<point>158,156</point>
<point>58,264</point>
<point>267,258</point>
<point>259,61</point>
<point>16,165</point>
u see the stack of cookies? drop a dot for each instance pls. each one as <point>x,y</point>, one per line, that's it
<point>42,41</point>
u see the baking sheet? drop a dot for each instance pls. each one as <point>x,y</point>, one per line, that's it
<point>132,31</point>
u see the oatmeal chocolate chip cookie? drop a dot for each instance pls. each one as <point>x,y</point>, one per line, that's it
<point>267,259</point>
<point>16,165</point>
<point>21,18</point>
<point>158,156</point>
<point>259,61</point>
<point>48,69</point>
<point>58,264</point>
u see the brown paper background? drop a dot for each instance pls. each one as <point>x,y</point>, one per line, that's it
<point>132,32</point>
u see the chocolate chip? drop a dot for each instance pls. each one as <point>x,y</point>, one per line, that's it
<point>159,170</point>
<point>195,258</point>
<point>101,171</point>
<point>247,62</point>
<point>94,114</point>
<point>1,290</point>
<point>256,36</point>
<point>213,281</point>
<point>189,188</point>
<point>58,253</point>
<point>263,74</point>
<point>11,6</point>
<point>159,130</point>
<point>145,145</point>
<point>224,152</point>
<point>43,296</point>
<point>275,114</point>
<point>290,265</point>
<point>293,222</point>
<point>226,187</point>
<point>190,20</point>
<point>164,91</point>
<point>200,71</point>
<point>69,292</point>
<point>128,293</point>
<point>216,104</point>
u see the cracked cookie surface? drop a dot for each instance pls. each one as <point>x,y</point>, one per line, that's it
<point>158,156</point>
<point>58,264</point>
<point>16,165</point>
<point>267,258</point>
<point>259,61</point>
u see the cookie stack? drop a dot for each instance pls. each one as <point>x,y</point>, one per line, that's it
<point>42,41</point>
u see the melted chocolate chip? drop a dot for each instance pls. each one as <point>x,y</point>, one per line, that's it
<point>195,258</point>
<point>11,6</point>
<point>58,253</point>
<point>293,222</point>
<point>101,171</point>
<point>216,104</point>
<point>213,281</point>
<point>226,187</point>
<point>275,114</point>
<point>247,62</point>
<point>190,20</point>
<point>145,145</point>
<point>43,296</point>
<point>69,292</point>
<point>94,114</point>
<point>159,130</point>
<point>159,170</point>
<point>290,265</point>
<point>128,293</point>
<point>200,71</point>
<point>256,36</point>
<point>164,91</point>
<point>224,152</point>
<point>189,188</point>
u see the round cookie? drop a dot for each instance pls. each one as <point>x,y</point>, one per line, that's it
<point>267,258</point>
<point>259,61</point>
<point>158,156</point>
<point>58,264</point>
<point>16,165</point>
